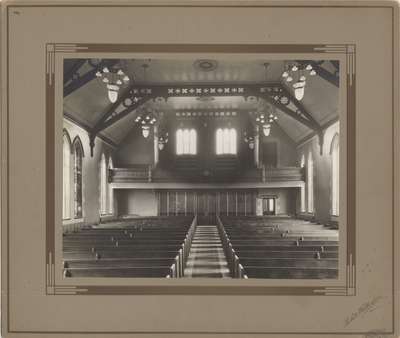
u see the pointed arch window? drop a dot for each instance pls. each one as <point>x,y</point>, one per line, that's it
<point>186,142</point>
<point>302,191</point>
<point>310,183</point>
<point>66,176</point>
<point>110,190</point>
<point>103,185</point>
<point>335,175</point>
<point>78,162</point>
<point>226,141</point>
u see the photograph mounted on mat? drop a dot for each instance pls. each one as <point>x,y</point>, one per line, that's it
<point>201,168</point>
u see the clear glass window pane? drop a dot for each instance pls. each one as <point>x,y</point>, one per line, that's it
<point>226,141</point>
<point>66,177</point>
<point>186,142</point>
<point>219,141</point>
<point>192,142</point>
<point>179,142</point>
<point>232,141</point>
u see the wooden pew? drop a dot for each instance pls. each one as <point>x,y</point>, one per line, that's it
<point>290,273</point>
<point>293,262</point>
<point>282,248</point>
<point>143,249</point>
<point>138,272</point>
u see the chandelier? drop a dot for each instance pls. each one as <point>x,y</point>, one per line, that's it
<point>114,79</point>
<point>162,140</point>
<point>265,120</point>
<point>297,72</point>
<point>249,139</point>
<point>146,121</point>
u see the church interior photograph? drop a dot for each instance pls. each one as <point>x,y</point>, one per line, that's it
<point>220,167</point>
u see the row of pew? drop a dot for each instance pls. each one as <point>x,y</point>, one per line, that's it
<point>255,247</point>
<point>280,248</point>
<point>147,247</point>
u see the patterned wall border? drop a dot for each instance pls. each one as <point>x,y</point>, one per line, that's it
<point>349,289</point>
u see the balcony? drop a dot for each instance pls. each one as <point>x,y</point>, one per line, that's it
<point>147,174</point>
<point>284,174</point>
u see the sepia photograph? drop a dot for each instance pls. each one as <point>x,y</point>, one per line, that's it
<point>200,168</point>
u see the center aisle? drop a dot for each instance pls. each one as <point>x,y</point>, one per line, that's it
<point>206,256</point>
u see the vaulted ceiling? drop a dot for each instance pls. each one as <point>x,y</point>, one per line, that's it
<point>86,101</point>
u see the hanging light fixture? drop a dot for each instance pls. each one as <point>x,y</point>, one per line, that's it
<point>146,131</point>
<point>265,120</point>
<point>162,141</point>
<point>299,89</point>
<point>298,70</point>
<point>146,120</point>
<point>249,139</point>
<point>114,79</point>
<point>267,129</point>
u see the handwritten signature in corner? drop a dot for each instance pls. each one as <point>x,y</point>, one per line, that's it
<point>363,309</point>
<point>376,334</point>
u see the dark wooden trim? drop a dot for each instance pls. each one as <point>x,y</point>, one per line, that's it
<point>111,109</point>
<point>326,75</point>
<point>302,109</point>
<point>311,135</point>
<point>88,130</point>
<point>74,69</point>
<point>87,77</point>
<point>120,115</point>
<point>291,113</point>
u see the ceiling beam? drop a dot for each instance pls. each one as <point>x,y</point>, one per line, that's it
<point>335,64</point>
<point>286,110</point>
<point>139,94</point>
<point>73,70</point>
<point>88,129</point>
<point>118,116</point>
<point>113,119</point>
<point>111,109</point>
<point>332,78</point>
<point>87,77</point>
<point>299,106</point>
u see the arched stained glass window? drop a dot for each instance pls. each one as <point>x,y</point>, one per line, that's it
<point>335,175</point>
<point>66,176</point>
<point>103,185</point>
<point>110,190</point>
<point>186,142</point>
<point>302,191</point>
<point>78,161</point>
<point>310,183</point>
<point>226,141</point>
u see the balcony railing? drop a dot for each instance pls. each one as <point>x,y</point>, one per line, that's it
<point>140,173</point>
<point>146,173</point>
<point>283,174</point>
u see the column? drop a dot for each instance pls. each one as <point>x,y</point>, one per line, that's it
<point>256,147</point>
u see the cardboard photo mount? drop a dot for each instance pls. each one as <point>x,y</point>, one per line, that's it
<point>37,36</point>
